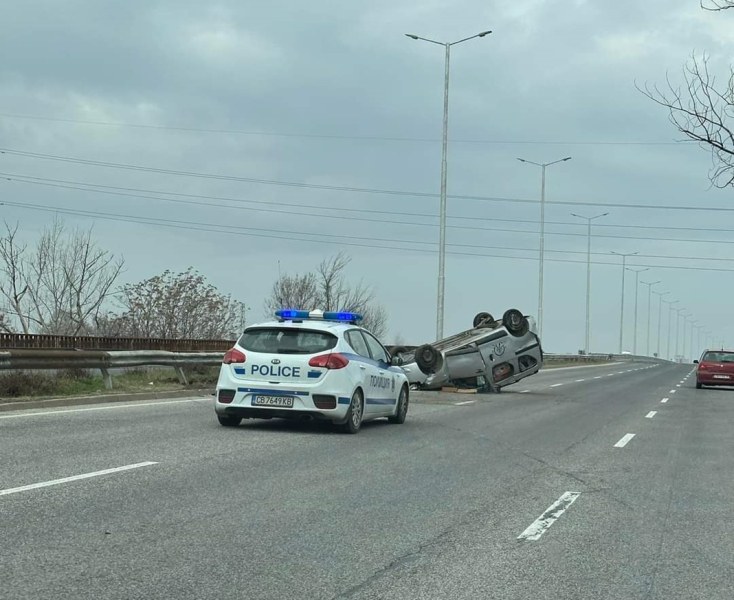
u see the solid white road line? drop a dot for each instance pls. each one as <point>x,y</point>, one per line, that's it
<point>464,403</point>
<point>651,414</point>
<point>556,385</point>
<point>550,516</point>
<point>624,441</point>
<point>664,400</point>
<point>35,486</point>
<point>109,407</point>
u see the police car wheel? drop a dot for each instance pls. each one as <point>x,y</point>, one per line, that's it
<point>515,322</point>
<point>229,420</point>
<point>401,410</point>
<point>354,414</point>
<point>482,318</point>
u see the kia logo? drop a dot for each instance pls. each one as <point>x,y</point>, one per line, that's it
<point>275,361</point>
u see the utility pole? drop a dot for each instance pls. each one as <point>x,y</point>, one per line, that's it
<point>670,322</point>
<point>588,274</point>
<point>542,234</point>
<point>649,299</point>
<point>660,315</point>
<point>637,285</point>
<point>621,304</point>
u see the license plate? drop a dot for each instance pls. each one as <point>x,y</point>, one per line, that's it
<point>278,401</point>
<point>721,377</point>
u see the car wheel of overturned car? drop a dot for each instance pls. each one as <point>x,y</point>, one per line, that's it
<point>515,322</point>
<point>482,319</point>
<point>354,414</point>
<point>401,411</point>
<point>428,359</point>
<point>229,420</point>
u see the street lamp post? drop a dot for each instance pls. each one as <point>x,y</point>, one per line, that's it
<point>588,272</point>
<point>677,327</point>
<point>621,311</point>
<point>670,322</point>
<point>686,322</point>
<point>637,286</point>
<point>693,326</point>
<point>649,299</point>
<point>542,234</point>
<point>660,315</point>
<point>444,174</point>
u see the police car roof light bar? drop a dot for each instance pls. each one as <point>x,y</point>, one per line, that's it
<point>292,314</point>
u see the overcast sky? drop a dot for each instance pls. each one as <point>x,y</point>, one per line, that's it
<point>331,93</point>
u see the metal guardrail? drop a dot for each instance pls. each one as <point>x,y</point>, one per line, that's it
<point>72,342</point>
<point>105,361</point>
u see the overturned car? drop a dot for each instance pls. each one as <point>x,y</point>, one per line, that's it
<point>491,355</point>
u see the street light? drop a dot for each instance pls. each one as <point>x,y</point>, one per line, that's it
<point>542,234</point>
<point>670,329</point>
<point>444,152</point>
<point>588,271</point>
<point>660,316</point>
<point>649,299</point>
<point>637,286</point>
<point>677,327</point>
<point>692,324</point>
<point>621,311</point>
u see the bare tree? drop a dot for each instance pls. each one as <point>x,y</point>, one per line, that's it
<point>5,326</point>
<point>328,290</point>
<point>715,5</point>
<point>62,285</point>
<point>703,113</point>
<point>179,305</point>
<point>14,287</point>
<point>703,110</point>
<point>293,291</point>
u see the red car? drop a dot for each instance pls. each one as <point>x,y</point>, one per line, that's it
<point>716,367</point>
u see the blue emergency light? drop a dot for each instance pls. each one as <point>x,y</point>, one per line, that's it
<point>342,316</point>
<point>291,314</point>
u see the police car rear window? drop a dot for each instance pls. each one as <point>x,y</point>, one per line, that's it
<point>276,340</point>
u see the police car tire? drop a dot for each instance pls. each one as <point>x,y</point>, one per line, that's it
<point>510,320</point>
<point>349,425</point>
<point>428,359</point>
<point>401,410</point>
<point>229,420</point>
<point>482,317</point>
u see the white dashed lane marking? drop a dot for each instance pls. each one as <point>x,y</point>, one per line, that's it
<point>624,441</point>
<point>550,516</point>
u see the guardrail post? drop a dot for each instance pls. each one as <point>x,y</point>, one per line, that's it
<point>107,378</point>
<point>182,376</point>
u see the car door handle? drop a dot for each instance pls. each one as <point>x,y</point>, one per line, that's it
<point>364,368</point>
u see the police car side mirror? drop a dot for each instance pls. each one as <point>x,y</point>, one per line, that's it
<point>397,361</point>
<point>695,362</point>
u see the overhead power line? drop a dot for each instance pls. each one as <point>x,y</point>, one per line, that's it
<point>289,235</point>
<point>328,136</point>
<point>224,177</point>
<point>364,219</point>
<point>86,184</point>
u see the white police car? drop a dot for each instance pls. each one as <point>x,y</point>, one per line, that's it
<point>311,364</point>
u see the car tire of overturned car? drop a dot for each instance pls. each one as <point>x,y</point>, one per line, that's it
<point>428,359</point>
<point>515,322</point>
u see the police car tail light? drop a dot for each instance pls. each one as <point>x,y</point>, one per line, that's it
<point>329,361</point>
<point>234,356</point>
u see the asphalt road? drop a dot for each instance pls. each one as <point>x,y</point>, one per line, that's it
<point>538,492</point>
